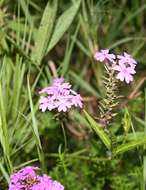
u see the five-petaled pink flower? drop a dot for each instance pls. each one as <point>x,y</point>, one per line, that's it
<point>104,55</point>
<point>123,64</point>
<point>127,59</point>
<point>125,73</point>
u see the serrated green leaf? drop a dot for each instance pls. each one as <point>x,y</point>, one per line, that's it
<point>99,130</point>
<point>128,146</point>
<point>45,31</point>
<point>63,24</point>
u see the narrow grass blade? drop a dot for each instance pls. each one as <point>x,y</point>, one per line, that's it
<point>99,131</point>
<point>132,16</point>
<point>35,129</point>
<point>127,121</point>
<point>45,31</point>
<point>34,122</point>
<point>17,83</point>
<point>144,171</point>
<point>63,24</point>
<point>25,9</point>
<point>84,84</point>
<point>4,136</point>
<point>131,137</point>
<point>126,40</point>
<point>144,158</point>
<point>4,172</point>
<point>128,146</point>
<point>26,163</point>
<point>68,52</point>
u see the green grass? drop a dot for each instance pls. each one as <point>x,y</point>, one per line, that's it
<point>34,35</point>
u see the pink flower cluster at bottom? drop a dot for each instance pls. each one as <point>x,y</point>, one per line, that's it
<point>28,179</point>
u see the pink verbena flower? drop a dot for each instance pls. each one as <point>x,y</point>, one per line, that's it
<point>46,183</point>
<point>127,59</point>
<point>28,179</point>
<point>104,55</point>
<point>59,96</point>
<point>44,103</point>
<point>125,73</point>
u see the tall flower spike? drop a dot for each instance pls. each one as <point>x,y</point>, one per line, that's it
<point>59,96</point>
<point>104,55</point>
<point>121,67</point>
<point>28,179</point>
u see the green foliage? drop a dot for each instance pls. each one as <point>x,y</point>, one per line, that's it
<point>63,23</point>
<point>45,31</point>
<point>99,130</point>
<point>67,33</point>
<point>128,146</point>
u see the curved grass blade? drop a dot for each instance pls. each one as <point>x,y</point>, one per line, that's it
<point>45,31</point>
<point>86,86</point>
<point>4,135</point>
<point>35,129</point>
<point>24,6</point>
<point>131,137</point>
<point>128,146</point>
<point>68,53</point>
<point>99,131</point>
<point>126,121</point>
<point>63,24</point>
<point>34,123</point>
<point>4,172</point>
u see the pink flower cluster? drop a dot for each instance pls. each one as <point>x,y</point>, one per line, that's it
<point>124,64</point>
<point>59,96</point>
<point>28,179</point>
<point>104,55</point>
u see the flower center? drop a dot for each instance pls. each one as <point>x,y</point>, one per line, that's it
<point>30,181</point>
<point>125,71</point>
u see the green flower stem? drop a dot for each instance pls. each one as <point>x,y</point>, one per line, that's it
<point>64,135</point>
